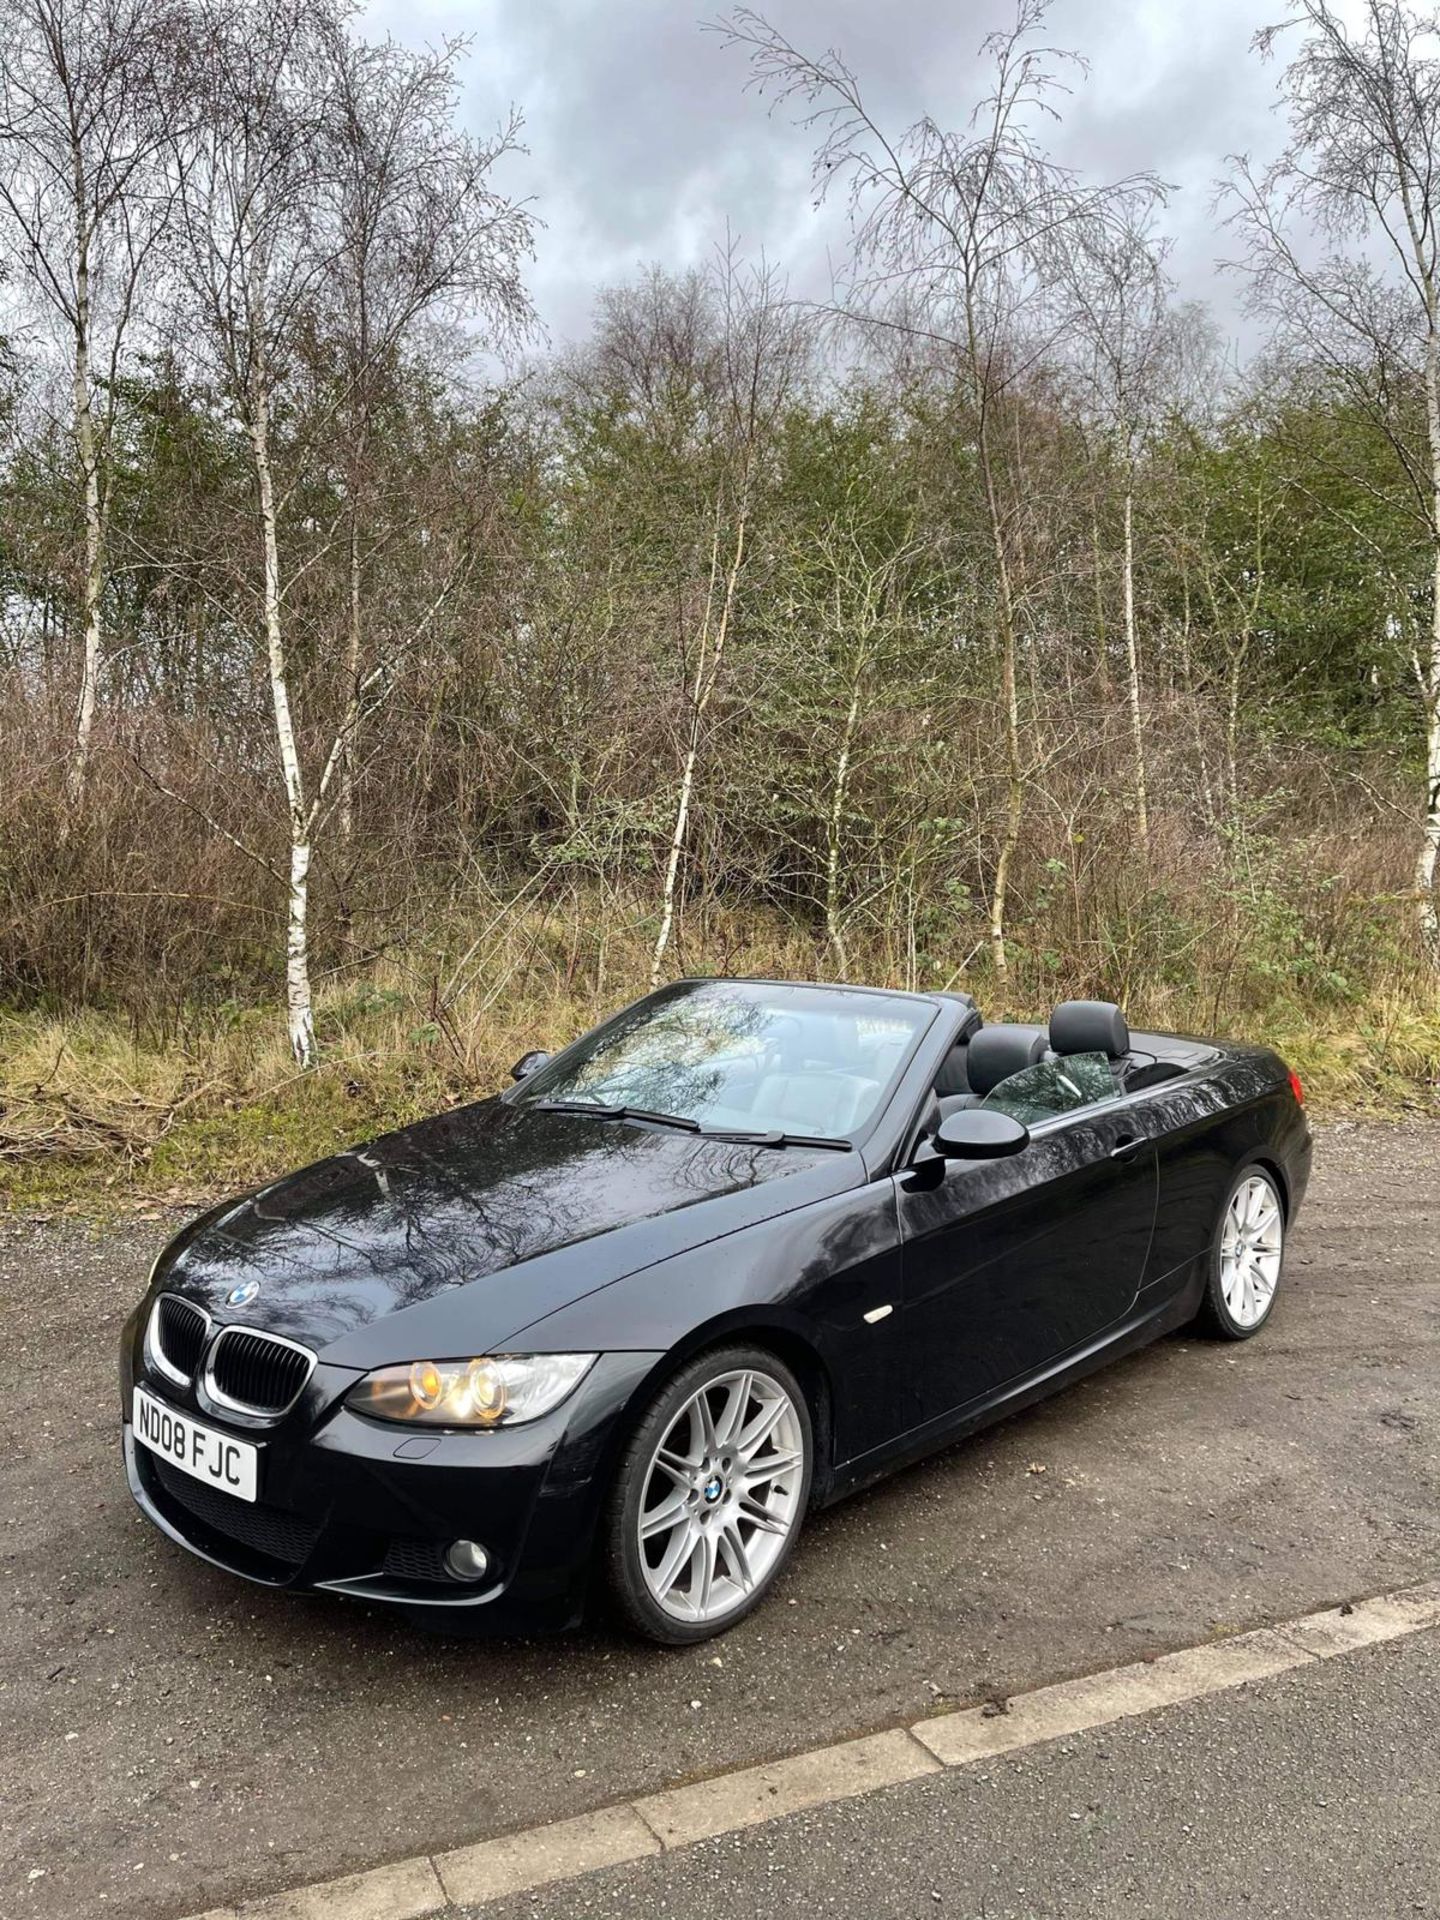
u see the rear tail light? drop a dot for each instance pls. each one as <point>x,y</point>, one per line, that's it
<point>1296,1088</point>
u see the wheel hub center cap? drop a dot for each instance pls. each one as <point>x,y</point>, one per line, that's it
<point>712,1489</point>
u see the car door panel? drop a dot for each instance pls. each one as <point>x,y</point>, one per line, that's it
<point>1010,1263</point>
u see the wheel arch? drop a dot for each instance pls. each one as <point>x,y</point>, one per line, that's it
<point>779,1336</point>
<point>1271,1164</point>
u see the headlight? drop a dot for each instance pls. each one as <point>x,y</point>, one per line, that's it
<point>501,1390</point>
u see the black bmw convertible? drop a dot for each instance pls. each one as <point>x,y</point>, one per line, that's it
<point>733,1254</point>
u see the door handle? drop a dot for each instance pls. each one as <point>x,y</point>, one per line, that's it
<point>1126,1146</point>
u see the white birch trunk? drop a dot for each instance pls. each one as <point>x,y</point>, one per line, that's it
<point>1010,702</point>
<point>1429,854</point>
<point>93,581</point>
<point>1009,688</point>
<point>300,1019</point>
<point>1014,807</point>
<point>299,1014</point>
<point>677,848</point>
<point>1132,669</point>
<point>707,672</point>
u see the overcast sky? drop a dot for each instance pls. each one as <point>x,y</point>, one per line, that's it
<point>644,141</point>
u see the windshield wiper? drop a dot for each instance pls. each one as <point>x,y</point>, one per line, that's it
<point>773,1137</point>
<point>602,1112</point>
<point>740,1137</point>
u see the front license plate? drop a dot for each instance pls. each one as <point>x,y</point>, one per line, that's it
<point>204,1454</point>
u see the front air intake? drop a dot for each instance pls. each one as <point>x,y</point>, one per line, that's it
<point>288,1538</point>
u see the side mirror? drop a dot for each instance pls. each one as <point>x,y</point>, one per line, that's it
<point>976,1133</point>
<point>528,1062</point>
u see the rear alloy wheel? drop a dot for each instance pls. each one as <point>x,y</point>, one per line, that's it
<point>710,1496</point>
<point>1247,1257</point>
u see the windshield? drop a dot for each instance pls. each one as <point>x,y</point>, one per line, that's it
<point>742,1055</point>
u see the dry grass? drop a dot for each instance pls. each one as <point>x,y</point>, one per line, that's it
<point>94,1119</point>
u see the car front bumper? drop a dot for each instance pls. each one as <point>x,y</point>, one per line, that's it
<point>365,1508</point>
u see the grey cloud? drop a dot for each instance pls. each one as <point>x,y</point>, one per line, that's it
<point>644,142</point>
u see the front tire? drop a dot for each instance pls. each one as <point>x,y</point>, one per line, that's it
<point>709,1496</point>
<point>1246,1257</point>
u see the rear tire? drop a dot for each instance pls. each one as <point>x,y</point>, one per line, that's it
<point>1247,1257</point>
<point>709,1496</point>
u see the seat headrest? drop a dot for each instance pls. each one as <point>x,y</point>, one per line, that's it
<point>1090,1026</point>
<point>997,1052</point>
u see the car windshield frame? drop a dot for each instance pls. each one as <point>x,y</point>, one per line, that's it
<point>555,1080</point>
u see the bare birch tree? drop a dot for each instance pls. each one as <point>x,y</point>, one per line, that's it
<point>843,605</point>
<point>329,207</point>
<point>1342,236</point>
<point>83,111</point>
<point>962,238</point>
<point>422,237</point>
<point>1123,350</point>
<point>252,192</point>
<point>759,360</point>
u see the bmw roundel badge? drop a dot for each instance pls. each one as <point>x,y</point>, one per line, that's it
<point>242,1295</point>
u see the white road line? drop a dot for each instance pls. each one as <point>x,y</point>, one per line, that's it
<point>407,1891</point>
<point>660,1822</point>
<point>1074,1706</point>
<point>758,1794</point>
<point>559,1851</point>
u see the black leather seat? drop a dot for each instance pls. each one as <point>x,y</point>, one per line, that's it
<point>1090,1026</point>
<point>1098,1026</point>
<point>994,1053</point>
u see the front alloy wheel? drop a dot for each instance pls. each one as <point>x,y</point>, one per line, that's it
<point>710,1496</point>
<point>1247,1257</point>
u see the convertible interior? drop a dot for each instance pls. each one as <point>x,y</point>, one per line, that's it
<point>801,1086</point>
<point>816,1061</point>
<point>984,1061</point>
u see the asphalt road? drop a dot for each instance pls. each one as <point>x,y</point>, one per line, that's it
<point>1311,1796</point>
<point>171,1739</point>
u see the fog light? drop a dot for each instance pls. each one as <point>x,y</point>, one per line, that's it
<point>467,1560</point>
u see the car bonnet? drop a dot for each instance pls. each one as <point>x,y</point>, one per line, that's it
<point>523,1210</point>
